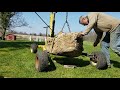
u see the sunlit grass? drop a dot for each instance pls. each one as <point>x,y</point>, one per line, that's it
<point>16,61</point>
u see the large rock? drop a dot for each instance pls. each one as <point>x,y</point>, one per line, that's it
<point>65,44</point>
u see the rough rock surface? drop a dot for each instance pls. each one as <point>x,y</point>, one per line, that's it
<point>65,44</point>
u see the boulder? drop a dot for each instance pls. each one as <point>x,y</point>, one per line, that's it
<point>65,44</point>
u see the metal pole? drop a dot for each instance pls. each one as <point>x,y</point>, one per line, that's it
<point>46,31</point>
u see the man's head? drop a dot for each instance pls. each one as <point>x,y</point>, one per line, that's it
<point>84,20</point>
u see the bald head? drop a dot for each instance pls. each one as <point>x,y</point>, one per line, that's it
<point>83,20</point>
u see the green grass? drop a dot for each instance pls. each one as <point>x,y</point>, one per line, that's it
<point>16,61</point>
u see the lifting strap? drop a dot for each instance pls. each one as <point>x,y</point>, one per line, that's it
<point>66,22</point>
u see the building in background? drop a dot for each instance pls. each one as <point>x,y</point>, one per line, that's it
<point>10,37</point>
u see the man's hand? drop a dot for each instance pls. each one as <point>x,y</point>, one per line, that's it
<point>82,33</point>
<point>95,44</point>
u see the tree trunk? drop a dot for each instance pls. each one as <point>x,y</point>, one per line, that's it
<point>3,36</point>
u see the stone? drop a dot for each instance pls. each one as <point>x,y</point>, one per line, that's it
<point>65,44</point>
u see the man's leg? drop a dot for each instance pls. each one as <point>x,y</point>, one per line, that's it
<point>115,41</point>
<point>105,44</point>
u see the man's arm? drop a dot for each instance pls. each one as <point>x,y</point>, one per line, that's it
<point>99,36</point>
<point>92,21</point>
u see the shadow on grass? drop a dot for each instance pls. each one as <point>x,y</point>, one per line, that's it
<point>115,63</point>
<point>66,61</point>
<point>72,61</point>
<point>51,66</point>
<point>3,50</point>
<point>17,44</point>
<point>1,76</point>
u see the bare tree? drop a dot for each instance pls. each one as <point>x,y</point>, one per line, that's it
<point>10,20</point>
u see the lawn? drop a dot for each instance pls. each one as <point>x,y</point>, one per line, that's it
<point>16,61</point>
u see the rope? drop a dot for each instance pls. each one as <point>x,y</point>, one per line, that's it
<point>66,22</point>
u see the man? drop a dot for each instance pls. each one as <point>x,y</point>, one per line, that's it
<point>102,22</point>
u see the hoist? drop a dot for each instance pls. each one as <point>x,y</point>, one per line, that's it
<point>51,26</point>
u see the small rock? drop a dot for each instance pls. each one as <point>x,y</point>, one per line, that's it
<point>70,66</point>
